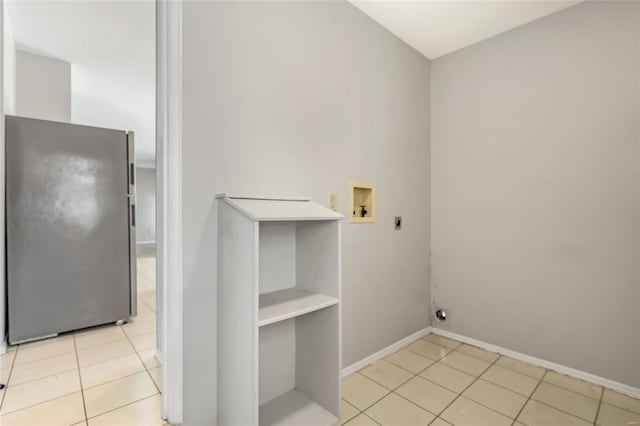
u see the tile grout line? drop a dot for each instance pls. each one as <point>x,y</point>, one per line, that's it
<point>121,406</point>
<point>529,398</point>
<point>43,377</point>
<point>481,378</point>
<point>470,384</point>
<point>401,396</point>
<point>6,387</point>
<point>599,398</point>
<point>539,380</point>
<point>457,393</point>
<point>84,404</point>
<point>41,402</point>
<point>75,351</point>
<point>392,391</point>
<point>515,419</point>
<point>560,410</point>
<point>81,386</point>
<point>473,356</point>
<point>571,390</point>
<point>398,365</point>
<point>142,361</point>
<point>356,416</point>
<point>441,419</point>
<point>351,418</point>
<point>450,350</point>
<point>114,380</point>
<point>370,418</point>
<point>145,369</point>
<point>377,400</point>
<point>93,364</point>
<point>152,308</point>
<point>383,397</point>
<point>87,418</point>
<point>595,421</point>
<point>379,384</point>
<point>25,364</point>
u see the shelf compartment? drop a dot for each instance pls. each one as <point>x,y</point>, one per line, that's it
<point>294,409</point>
<point>289,303</point>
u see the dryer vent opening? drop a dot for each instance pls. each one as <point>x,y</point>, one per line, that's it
<point>441,315</point>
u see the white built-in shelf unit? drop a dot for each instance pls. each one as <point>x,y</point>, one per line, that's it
<point>279,278</point>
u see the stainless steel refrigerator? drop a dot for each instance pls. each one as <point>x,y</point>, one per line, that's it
<point>70,222</point>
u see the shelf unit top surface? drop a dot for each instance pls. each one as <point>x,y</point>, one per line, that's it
<point>289,303</point>
<point>279,208</point>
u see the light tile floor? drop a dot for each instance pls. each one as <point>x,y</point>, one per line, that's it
<point>440,381</point>
<point>105,375</point>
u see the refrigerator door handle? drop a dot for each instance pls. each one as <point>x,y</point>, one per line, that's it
<point>132,256</point>
<point>131,171</point>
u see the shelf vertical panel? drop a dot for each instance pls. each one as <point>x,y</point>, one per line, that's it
<point>318,257</point>
<point>318,334</point>
<point>318,357</point>
<point>238,240</point>
<point>277,256</point>
<point>277,360</point>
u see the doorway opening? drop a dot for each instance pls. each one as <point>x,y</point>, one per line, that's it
<point>96,70</point>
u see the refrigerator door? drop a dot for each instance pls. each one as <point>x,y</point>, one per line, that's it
<point>68,227</point>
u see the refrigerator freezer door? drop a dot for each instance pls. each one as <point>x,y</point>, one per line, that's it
<point>68,233</point>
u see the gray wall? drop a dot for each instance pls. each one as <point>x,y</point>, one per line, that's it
<point>43,87</point>
<point>300,98</point>
<point>535,174</point>
<point>145,205</point>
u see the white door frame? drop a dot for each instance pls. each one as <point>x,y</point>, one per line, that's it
<point>3,302</point>
<point>169,203</point>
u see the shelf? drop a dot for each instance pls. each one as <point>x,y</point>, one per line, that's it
<point>294,409</point>
<point>289,303</point>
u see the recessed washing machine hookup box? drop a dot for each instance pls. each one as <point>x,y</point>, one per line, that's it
<point>363,202</point>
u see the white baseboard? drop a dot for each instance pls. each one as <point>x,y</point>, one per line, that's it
<point>3,347</point>
<point>568,371</point>
<point>395,347</point>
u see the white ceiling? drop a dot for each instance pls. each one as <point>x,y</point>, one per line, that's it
<point>111,46</point>
<point>436,28</point>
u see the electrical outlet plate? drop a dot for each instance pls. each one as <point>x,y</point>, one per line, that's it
<point>362,202</point>
<point>333,201</point>
<point>397,222</point>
